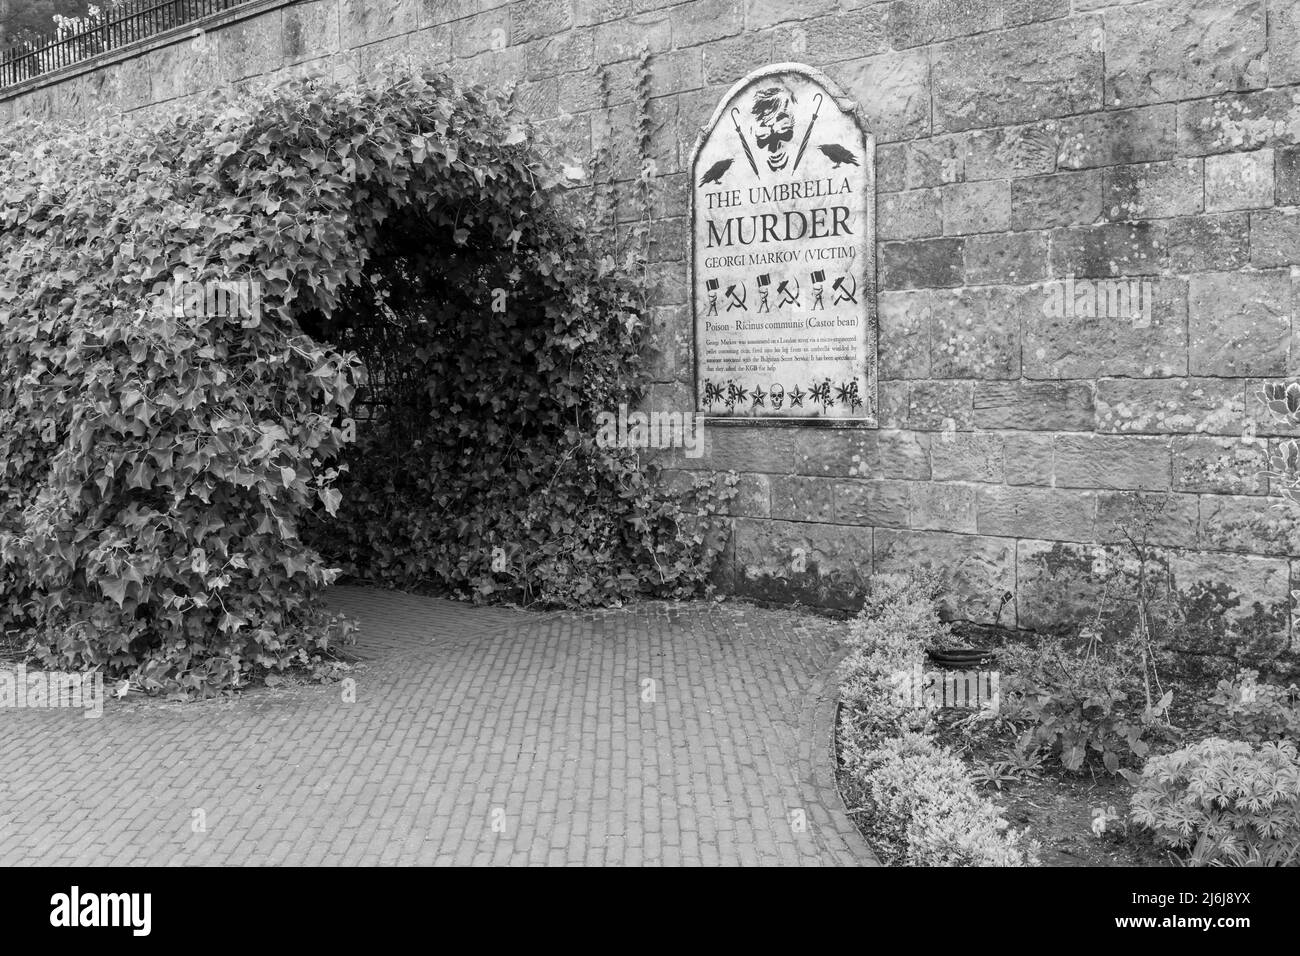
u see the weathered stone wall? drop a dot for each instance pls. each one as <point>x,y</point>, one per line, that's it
<point>1020,142</point>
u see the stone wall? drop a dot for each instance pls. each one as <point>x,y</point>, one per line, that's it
<point>1020,142</point>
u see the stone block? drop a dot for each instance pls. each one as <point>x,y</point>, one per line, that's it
<point>1013,258</point>
<point>1283,44</point>
<point>821,564</point>
<point>905,318</point>
<point>1237,122</point>
<point>309,30</point>
<point>1111,461</point>
<point>364,21</point>
<point>1166,520</point>
<point>1029,458</point>
<point>1001,78</point>
<point>1106,327</point>
<point>983,206</point>
<point>1251,524</point>
<point>1108,249</point>
<point>862,453</point>
<point>975,332</point>
<point>1008,152</point>
<point>1286,176</point>
<point>767,13</point>
<point>477,34</point>
<point>748,448</point>
<point>534,19</point>
<point>1230,466</point>
<point>1242,589</point>
<point>801,498</point>
<point>879,503</point>
<point>726,61</point>
<point>1153,190</point>
<point>943,506</point>
<point>1054,406</point>
<point>974,570</point>
<point>893,90</point>
<point>827,39</point>
<point>1239,181</point>
<point>1116,137</point>
<point>1057,199</point>
<point>967,456</point>
<point>1062,585</point>
<point>1161,406</point>
<point>918,22</point>
<point>1012,511</point>
<point>1207,243</point>
<point>1180,49</point>
<point>623,39</point>
<point>914,214</point>
<point>922,263</point>
<point>939,406</point>
<point>1275,237</point>
<point>1239,323</point>
<point>704,21</point>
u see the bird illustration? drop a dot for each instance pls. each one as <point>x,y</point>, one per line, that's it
<point>716,172</point>
<point>838,154</point>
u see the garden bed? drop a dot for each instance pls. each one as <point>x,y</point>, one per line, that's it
<point>1097,752</point>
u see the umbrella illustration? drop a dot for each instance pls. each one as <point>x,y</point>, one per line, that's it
<point>808,132</point>
<point>735,118</point>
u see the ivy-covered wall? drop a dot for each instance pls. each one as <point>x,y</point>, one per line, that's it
<point>1024,148</point>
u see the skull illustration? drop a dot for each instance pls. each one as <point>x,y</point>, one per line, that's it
<point>772,106</point>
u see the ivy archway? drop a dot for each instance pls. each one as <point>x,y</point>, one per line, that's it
<point>173,489</point>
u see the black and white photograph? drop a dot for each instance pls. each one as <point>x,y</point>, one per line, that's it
<point>651,433</point>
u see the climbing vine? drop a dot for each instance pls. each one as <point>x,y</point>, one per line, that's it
<point>178,485</point>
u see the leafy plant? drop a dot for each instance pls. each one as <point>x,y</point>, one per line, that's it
<point>1014,764</point>
<point>1079,702</point>
<point>1224,802</point>
<point>1245,709</point>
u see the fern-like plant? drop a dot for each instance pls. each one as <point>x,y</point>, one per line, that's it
<point>1224,802</point>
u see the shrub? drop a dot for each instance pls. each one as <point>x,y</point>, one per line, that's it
<point>1248,710</point>
<point>887,641</point>
<point>1079,702</point>
<point>1224,801</point>
<point>924,810</point>
<point>920,805</point>
<point>169,482</point>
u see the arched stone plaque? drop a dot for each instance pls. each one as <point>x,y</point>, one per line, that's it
<point>783,253</point>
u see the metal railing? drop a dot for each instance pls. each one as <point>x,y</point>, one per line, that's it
<point>128,22</point>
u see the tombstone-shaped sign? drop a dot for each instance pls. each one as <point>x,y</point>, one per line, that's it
<point>783,253</point>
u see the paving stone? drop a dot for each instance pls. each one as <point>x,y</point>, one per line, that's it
<point>478,735</point>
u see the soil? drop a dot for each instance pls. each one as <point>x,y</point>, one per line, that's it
<point>1058,811</point>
